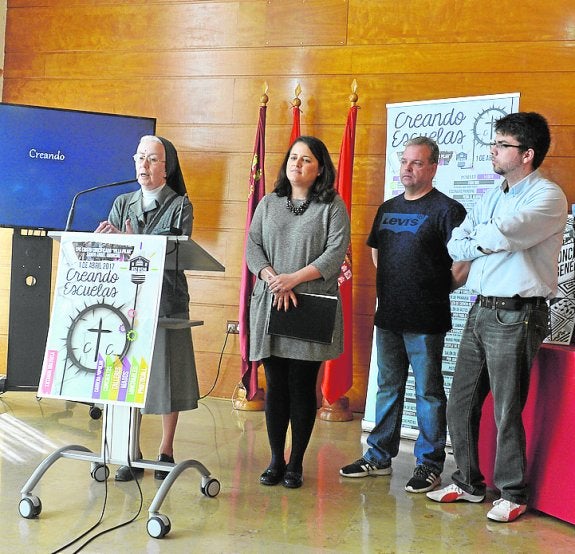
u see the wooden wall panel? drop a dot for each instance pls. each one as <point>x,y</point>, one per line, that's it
<point>536,57</point>
<point>222,101</point>
<point>430,21</point>
<point>475,57</point>
<point>199,67</point>
<point>191,24</point>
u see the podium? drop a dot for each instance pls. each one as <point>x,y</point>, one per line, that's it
<point>120,431</point>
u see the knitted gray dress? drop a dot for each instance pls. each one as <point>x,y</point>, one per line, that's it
<point>277,237</point>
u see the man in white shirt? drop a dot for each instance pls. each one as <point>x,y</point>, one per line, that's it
<point>511,239</point>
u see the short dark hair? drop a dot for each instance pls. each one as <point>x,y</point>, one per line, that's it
<point>531,131</point>
<point>323,188</point>
<point>430,143</point>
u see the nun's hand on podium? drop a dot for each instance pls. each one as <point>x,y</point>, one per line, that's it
<point>107,227</point>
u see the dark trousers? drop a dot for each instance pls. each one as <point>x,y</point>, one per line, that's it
<point>496,352</point>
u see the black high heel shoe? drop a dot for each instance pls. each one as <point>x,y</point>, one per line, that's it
<point>292,480</point>
<point>160,474</point>
<point>272,476</point>
<point>127,473</point>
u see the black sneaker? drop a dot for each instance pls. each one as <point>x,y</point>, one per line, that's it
<point>363,468</point>
<point>424,479</point>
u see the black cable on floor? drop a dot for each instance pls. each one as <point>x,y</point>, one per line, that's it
<point>219,367</point>
<point>129,521</point>
<point>123,524</point>
<point>74,541</point>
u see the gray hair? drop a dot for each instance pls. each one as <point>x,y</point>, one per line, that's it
<point>150,138</point>
<point>430,143</point>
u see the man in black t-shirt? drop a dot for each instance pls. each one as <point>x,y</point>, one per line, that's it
<point>415,275</point>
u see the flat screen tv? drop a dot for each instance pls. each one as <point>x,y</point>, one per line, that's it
<point>51,154</point>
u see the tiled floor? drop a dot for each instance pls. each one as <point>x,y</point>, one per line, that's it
<point>328,514</point>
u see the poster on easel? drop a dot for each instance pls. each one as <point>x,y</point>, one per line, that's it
<point>104,317</point>
<point>463,130</point>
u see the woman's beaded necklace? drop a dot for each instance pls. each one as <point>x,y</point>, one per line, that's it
<point>299,209</point>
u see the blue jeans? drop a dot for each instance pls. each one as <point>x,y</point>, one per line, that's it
<point>395,351</point>
<point>496,352</point>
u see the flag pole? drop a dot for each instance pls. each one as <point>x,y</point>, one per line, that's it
<point>338,374</point>
<point>249,395</point>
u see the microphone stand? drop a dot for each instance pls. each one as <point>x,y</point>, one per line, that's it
<point>75,199</point>
<point>177,230</point>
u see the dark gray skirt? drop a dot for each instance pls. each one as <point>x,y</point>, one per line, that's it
<point>173,385</point>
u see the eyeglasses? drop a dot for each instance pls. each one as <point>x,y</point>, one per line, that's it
<point>151,159</point>
<point>505,146</point>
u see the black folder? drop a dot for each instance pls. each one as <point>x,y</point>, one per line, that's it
<point>313,319</point>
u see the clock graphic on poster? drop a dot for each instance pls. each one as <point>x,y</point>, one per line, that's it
<point>483,130</point>
<point>98,329</point>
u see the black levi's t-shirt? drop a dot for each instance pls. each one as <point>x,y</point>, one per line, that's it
<point>413,265</point>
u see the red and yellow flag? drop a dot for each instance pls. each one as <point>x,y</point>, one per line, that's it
<point>256,192</point>
<point>338,373</point>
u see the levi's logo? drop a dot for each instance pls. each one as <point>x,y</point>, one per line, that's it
<point>398,223</point>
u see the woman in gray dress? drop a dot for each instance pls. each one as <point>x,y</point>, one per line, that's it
<point>297,242</point>
<point>160,208</point>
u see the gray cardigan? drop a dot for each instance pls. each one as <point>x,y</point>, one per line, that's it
<point>159,221</point>
<point>277,237</point>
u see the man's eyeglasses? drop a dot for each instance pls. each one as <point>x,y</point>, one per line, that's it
<point>151,159</point>
<point>505,145</point>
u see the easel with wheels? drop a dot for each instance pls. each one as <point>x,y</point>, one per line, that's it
<point>121,424</point>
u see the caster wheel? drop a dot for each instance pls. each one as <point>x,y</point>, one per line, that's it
<point>95,412</point>
<point>30,507</point>
<point>100,472</point>
<point>158,526</point>
<point>211,488</point>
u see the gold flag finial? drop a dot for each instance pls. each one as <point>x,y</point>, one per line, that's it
<point>264,97</point>
<point>353,97</point>
<point>296,102</point>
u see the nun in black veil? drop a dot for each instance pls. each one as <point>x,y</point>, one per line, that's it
<point>160,207</point>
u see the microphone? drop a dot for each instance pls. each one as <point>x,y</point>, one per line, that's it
<point>74,200</point>
<point>177,230</point>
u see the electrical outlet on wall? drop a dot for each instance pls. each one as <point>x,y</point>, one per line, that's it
<point>233,327</point>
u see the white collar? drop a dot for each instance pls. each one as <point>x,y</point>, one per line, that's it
<point>150,197</point>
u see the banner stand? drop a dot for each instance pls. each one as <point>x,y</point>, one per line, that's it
<point>121,426</point>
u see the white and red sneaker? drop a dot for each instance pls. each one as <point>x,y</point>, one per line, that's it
<point>504,510</point>
<point>453,493</point>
